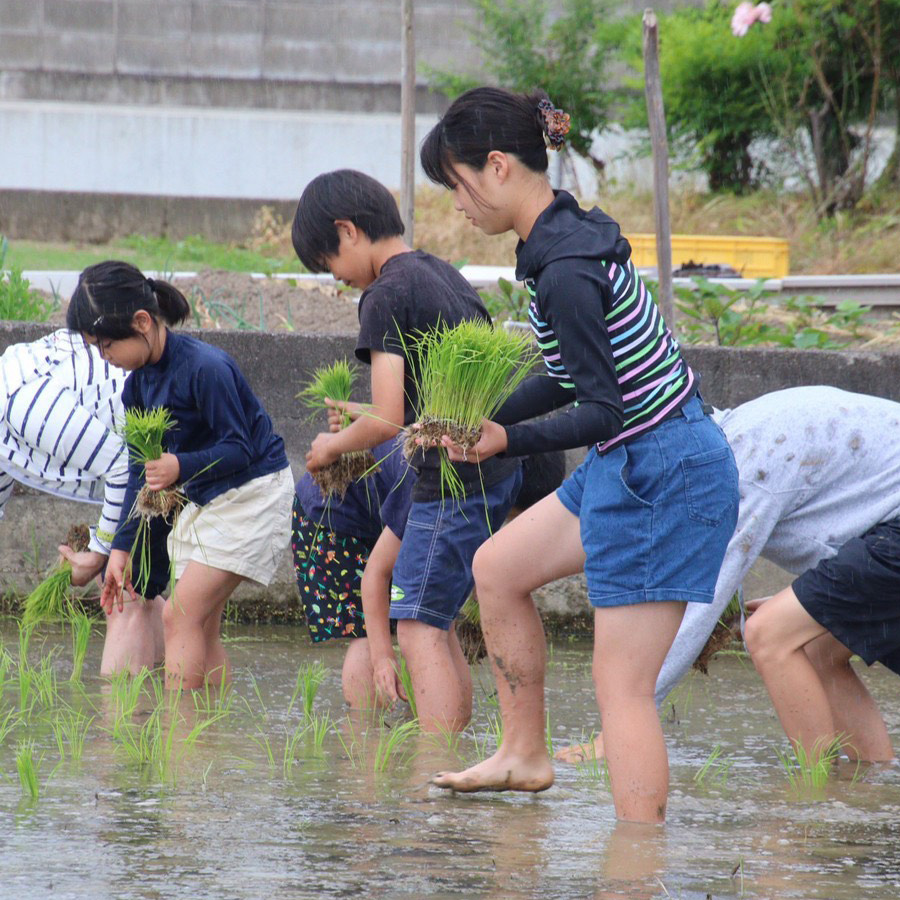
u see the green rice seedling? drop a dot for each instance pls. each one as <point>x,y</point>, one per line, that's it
<point>261,739</point>
<point>126,692</point>
<point>317,730</point>
<point>214,701</point>
<point>390,744</point>
<point>259,698</point>
<point>81,636</point>
<point>352,747</point>
<point>406,681</point>
<point>714,768</point>
<point>45,683</point>
<point>495,729</point>
<point>810,770</point>
<point>25,685</point>
<point>335,382</point>
<point>463,376</point>
<point>548,736</point>
<point>448,738</point>
<point>309,679</point>
<point>7,724</point>
<point>49,601</point>
<point>143,432</point>
<point>292,740</point>
<point>29,769</point>
<point>70,729</point>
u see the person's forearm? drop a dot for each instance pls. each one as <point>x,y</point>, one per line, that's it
<point>376,608</point>
<point>366,432</point>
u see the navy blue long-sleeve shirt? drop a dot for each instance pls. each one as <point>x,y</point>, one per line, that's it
<point>222,437</point>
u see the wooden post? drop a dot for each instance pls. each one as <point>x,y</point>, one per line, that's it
<point>407,119</point>
<point>657,118</point>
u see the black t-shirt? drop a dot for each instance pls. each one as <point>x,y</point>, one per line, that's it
<point>414,292</point>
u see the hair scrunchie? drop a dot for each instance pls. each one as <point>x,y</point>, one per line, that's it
<point>556,125</point>
<point>151,284</point>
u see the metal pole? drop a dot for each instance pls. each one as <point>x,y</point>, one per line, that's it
<point>407,119</point>
<point>657,118</point>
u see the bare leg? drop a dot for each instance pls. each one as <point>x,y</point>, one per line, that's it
<point>443,699</point>
<point>630,644</point>
<point>776,635</point>
<point>541,545</point>
<point>854,711</point>
<point>357,676</point>
<point>218,672</point>
<point>134,637</point>
<point>461,664</point>
<point>190,616</point>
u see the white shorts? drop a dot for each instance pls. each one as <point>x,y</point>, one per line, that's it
<point>245,530</point>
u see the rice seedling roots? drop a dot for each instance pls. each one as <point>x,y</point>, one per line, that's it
<point>339,475</point>
<point>78,537</point>
<point>471,640</point>
<point>429,432</point>
<point>723,636</point>
<point>165,503</point>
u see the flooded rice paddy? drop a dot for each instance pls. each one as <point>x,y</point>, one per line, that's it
<point>257,796</point>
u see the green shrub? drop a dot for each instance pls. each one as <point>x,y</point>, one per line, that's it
<point>18,300</point>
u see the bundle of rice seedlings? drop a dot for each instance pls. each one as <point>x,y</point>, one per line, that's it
<point>49,601</point>
<point>468,631</point>
<point>465,374</point>
<point>336,383</point>
<point>143,432</point>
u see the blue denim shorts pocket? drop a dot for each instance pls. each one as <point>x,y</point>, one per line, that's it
<point>704,475</point>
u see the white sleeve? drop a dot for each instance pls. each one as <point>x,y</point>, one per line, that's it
<point>758,516</point>
<point>6,487</point>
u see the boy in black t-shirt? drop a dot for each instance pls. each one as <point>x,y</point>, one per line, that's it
<point>348,224</point>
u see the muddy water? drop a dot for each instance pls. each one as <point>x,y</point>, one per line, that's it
<point>223,820</point>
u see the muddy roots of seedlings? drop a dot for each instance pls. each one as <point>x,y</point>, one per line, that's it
<point>78,537</point>
<point>723,636</point>
<point>166,503</point>
<point>428,434</point>
<point>471,640</point>
<point>336,477</point>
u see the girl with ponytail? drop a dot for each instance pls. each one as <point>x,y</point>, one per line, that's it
<point>647,515</point>
<point>222,452</point>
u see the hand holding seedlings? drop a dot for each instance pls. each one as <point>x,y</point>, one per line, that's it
<point>342,412</point>
<point>86,564</point>
<point>387,680</point>
<point>163,472</point>
<point>491,442</point>
<point>117,581</point>
<point>321,452</point>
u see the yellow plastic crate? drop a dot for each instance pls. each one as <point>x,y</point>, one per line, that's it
<point>751,257</point>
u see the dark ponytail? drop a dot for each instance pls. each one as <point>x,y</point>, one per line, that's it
<point>110,293</point>
<point>482,120</point>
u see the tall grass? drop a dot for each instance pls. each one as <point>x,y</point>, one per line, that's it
<point>463,376</point>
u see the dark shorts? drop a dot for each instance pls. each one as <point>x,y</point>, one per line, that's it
<point>856,595</point>
<point>329,568</point>
<point>433,572</point>
<point>160,577</point>
<point>656,514</point>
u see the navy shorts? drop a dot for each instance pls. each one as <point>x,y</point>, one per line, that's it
<point>656,513</point>
<point>433,573</point>
<point>856,595</point>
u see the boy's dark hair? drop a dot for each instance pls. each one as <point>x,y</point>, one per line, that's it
<point>108,295</point>
<point>542,473</point>
<point>479,121</point>
<point>343,194</point>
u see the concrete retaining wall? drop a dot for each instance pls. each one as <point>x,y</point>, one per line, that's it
<point>275,364</point>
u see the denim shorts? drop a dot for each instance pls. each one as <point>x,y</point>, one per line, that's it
<point>656,513</point>
<point>433,573</point>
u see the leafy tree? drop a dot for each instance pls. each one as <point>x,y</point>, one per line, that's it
<point>524,48</point>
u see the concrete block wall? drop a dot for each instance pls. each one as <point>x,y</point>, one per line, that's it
<point>275,364</point>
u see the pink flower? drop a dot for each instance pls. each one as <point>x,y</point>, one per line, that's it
<point>746,15</point>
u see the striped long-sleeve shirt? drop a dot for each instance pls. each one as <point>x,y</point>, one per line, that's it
<point>604,343</point>
<point>59,404</point>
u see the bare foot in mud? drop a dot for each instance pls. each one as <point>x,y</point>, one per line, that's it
<point>501,772</point>
<point>576,753</point>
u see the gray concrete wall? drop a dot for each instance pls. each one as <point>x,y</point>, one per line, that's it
<point>276,364</point>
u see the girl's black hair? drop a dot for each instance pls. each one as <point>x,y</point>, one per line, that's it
<point>344,194</point>
<point>482,120</point>
<point>110,293</point>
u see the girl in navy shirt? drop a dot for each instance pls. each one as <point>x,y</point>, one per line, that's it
<point>223,454</point>
<point>650,511</point>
